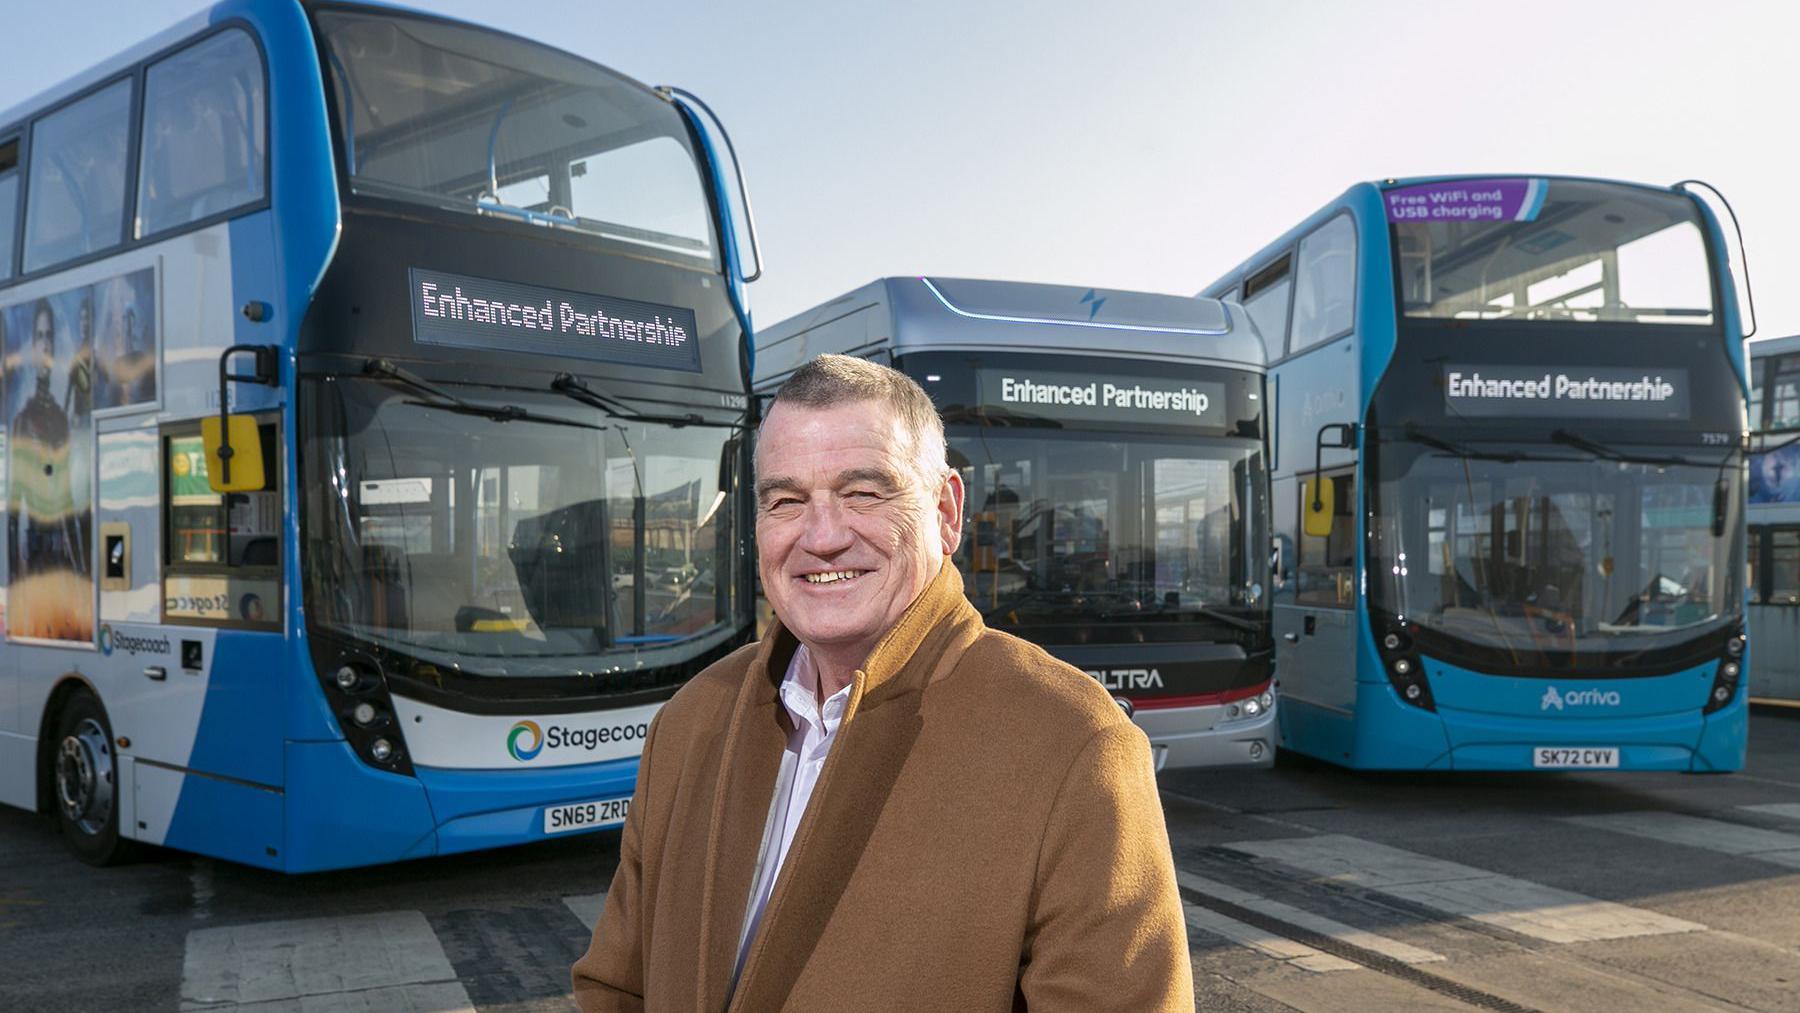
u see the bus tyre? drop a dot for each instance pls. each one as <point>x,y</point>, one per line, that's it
<point>85,778</point>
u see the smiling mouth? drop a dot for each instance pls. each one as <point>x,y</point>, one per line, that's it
<point>834,577</point>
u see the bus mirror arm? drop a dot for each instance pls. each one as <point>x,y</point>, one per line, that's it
<point>266,373</point>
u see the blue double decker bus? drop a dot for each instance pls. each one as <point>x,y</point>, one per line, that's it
<point>375,393</point>
<point>1508,478</point>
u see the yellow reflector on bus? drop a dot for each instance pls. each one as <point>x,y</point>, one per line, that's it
<point>246,454</point>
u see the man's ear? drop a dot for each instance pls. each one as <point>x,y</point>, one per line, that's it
<point>950,511</point>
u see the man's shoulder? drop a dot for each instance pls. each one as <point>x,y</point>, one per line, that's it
<point>1002,674</point>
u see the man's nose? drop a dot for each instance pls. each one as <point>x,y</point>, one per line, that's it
<point>826,529</point>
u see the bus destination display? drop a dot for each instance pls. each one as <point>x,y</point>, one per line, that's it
<point>454,309</point>
<point>1120,401</point>
<point>1595,392</point>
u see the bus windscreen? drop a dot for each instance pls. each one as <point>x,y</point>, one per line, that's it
<point>1553,250</point>
<point>454,530</point>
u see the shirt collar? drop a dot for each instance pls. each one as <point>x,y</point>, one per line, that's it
<point>799,694</point>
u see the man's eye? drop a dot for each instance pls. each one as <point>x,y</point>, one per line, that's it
<point>862,494</point>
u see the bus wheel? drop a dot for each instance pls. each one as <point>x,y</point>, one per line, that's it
<point>87,787</point>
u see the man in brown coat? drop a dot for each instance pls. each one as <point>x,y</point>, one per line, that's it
<point>884,805</point>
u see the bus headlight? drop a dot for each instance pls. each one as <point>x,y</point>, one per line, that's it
<point>1725,682</point>
<point>355,684</point>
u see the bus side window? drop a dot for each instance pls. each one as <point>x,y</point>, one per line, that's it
<point>1326,569</point>
<point>76,200</point>
<point>1325,284</point>
<point>1756,391</point>
<point>1784,566</point>
<point>1266,295</point>
<point>222,566</point>
<point>204,134</point>
<point>1753,556</point>
<point>9,202</point>
<point>1783,409</point>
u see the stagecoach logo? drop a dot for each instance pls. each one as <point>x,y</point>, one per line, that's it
<point>112,640</point>
<point>1127,678</point>
<point>525,730</point>
<point>1554,700</point>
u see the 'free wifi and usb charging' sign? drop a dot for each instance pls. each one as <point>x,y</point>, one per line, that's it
<point>1591,393</point>
<point>454,309</point>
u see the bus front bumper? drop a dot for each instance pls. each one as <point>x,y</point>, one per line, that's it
<point>342,813</point>
<point>1185,738</point>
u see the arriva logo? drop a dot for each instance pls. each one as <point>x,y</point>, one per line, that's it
<point>523,730</point>
<point>1554,700</point>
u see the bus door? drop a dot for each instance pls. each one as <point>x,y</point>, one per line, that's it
<point>1315,645</point>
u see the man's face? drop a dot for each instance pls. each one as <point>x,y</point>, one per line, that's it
<point>848,530</point>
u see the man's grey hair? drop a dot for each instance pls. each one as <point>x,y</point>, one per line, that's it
<point>831,380</point>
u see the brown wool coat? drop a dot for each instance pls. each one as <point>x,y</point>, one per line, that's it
<point>985,835</point>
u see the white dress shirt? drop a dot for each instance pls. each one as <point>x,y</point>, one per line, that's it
<point>815,728</point>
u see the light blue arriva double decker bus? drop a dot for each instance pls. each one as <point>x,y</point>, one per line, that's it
<point>374,394</point>
<point>1508,478</point>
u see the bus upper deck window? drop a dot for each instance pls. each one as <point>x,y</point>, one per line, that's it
<point>204,135</point>
<point>75,204</point>
<point>9,203</point>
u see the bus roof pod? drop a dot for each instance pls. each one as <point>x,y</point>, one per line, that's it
<point>928,313</point>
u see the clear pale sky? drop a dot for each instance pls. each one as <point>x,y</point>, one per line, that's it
<point>1144,145</point>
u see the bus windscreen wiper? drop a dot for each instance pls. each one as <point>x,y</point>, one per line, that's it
<point>1416,435</point>
<point>1601,450</point>
<point>567,385</point>
<point>430,395</point>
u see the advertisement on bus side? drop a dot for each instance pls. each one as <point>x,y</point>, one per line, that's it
<point>85,349</point>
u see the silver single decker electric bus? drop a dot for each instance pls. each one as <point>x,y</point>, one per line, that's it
<point>1113,447</point>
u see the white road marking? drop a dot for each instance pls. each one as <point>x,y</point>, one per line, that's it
<point>586,906</point>
<point>1307,920</point>
<point>1517,905</point>
<point>1780,810</point>
<point>1697,832</point>
<point>388,960</point>
<point>1267,943</point>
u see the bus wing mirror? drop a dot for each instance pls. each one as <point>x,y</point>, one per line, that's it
<point>1316,501</point>
<point>235,438</point>
<point>1720,506</point>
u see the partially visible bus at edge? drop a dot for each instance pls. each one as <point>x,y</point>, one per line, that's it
<point>1775,520</point>
<point>475,306</point>
<point>1508,477</point>
<point>1112,446</point>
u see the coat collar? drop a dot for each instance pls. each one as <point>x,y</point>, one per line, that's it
<point>845,805</point>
